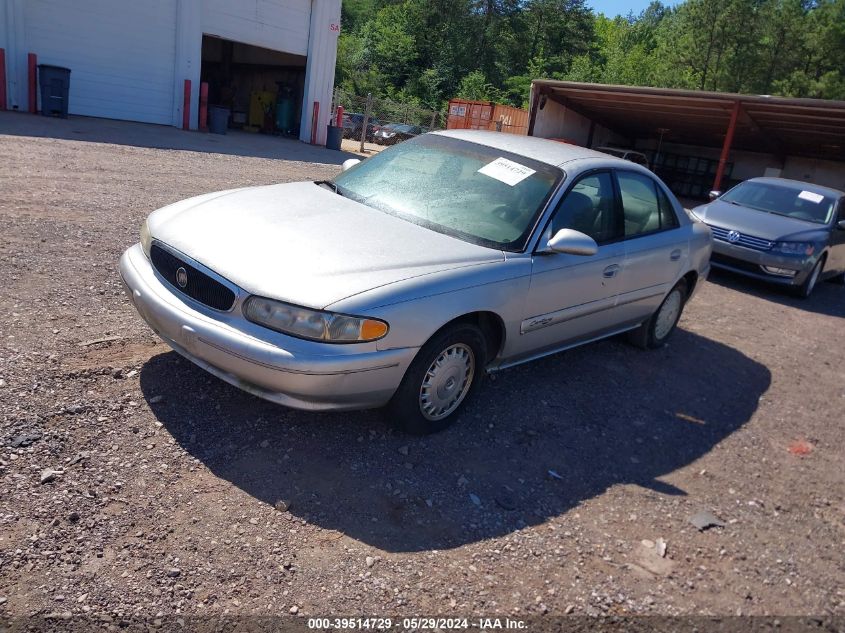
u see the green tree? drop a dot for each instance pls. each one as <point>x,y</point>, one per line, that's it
<point>427,51</point>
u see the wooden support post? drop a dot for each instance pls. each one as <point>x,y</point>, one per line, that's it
<point>3,104</point>
<point>591,134</point>
<point>186,108</point>
<point>366,122</point>
<point>32,65</point>
<point>315,121</point>
<point>203,122</point>
<point>726,148</point>
<point>537,94</point>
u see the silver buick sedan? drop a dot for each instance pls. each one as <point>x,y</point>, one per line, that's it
<point>404,279</point>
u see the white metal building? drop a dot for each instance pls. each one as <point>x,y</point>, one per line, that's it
<point>129,59</point>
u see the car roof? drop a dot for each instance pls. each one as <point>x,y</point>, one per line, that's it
<point>611,148</point>
<point>544,150</point>
<point>799,185</point>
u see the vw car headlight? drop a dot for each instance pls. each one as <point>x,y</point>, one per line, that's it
<point>794,248</point>
<point>146,239</point>
<point>314,325</point>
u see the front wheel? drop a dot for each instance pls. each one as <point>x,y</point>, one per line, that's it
<point>806,289</point>
<point>656,331</point>
<point>436,386</point>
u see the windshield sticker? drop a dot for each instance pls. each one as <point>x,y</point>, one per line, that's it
<point>812,197</point>
<point>506,171</point>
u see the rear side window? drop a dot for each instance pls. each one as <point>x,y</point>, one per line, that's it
<point>668,219</point>
<point>645,206</point>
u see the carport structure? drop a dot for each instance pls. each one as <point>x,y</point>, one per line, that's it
<point>785,130</point>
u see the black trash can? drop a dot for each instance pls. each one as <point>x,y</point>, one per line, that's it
<point>55,85</point>
<point>334,137</point>
<point>218,119</point>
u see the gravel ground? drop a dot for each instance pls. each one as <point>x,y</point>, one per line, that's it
<point>133,484</point>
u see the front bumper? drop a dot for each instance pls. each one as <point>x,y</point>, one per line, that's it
<point>749,262</point>
<point>295,373</point>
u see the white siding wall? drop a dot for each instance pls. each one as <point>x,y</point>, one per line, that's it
<point>129,58</point>
<point>280,25</point>
<point>12,35</point>
<point>822,172</point>
<point>557,121</point>
<point>319,70</point>
<point>121,54</point>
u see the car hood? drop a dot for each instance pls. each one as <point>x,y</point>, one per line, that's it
<point>302,243</point>
<point>768,226</point>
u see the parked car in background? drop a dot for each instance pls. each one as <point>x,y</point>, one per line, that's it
<point>411,274</point>
<point>781,231</point>
<point>353,123</point>
<point>627,154</point>
<point>395,133</point>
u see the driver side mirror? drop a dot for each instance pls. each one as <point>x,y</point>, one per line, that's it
<point>572,242</point>
<point>349,163</point>
<point>841,225</point>
<point>714,194</point>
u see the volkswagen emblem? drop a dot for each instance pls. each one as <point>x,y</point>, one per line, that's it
<point>181,276</point>
<point>733,237</point>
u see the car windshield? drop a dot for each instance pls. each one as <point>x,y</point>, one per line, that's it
<point>792,202</point>
<point>476,193</point>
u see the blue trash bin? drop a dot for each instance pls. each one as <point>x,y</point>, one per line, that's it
<point>54,82</point>
<point>334,136</point>
<point>218,119</point>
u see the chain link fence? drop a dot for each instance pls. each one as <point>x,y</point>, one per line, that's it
<point>382,121</point>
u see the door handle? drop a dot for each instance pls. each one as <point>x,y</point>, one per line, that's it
<point>611,270</point>
<point>675,255</point>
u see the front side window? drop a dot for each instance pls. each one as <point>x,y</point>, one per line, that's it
<point>476,193</point>
<point>645,207</point>
<point>589,207</point>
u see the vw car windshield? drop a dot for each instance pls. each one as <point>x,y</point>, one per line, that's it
<point>476,193</point>
<point>792,202</point>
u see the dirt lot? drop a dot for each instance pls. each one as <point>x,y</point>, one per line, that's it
<point>164,503</point>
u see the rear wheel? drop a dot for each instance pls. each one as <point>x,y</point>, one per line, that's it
<point>439,381</point>
<point>656,331</point>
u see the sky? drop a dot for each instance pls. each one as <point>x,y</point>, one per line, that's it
<point>612,8</point>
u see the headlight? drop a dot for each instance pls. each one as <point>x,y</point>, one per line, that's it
<point>146,239</point>
<point>794,248</point>
<point>314,325</point>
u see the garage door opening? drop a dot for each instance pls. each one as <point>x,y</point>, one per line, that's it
<point>262,88</point>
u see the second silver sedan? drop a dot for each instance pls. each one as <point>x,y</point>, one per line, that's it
<point>407,277</point>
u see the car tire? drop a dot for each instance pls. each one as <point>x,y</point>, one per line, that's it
<point>426,403</point>
<point>654,332</point>
<point>806,289</point>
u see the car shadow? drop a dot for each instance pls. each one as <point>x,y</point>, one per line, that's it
<point>827,298</point>
<point>533,444</point>
<point>234,142</point>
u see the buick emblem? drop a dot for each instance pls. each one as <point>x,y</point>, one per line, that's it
<point>181,276</point>
<point>733,237</point>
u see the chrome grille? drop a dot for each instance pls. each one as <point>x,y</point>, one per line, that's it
<point>748,241</point>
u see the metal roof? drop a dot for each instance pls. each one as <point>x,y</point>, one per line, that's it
<point>778,125</point>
